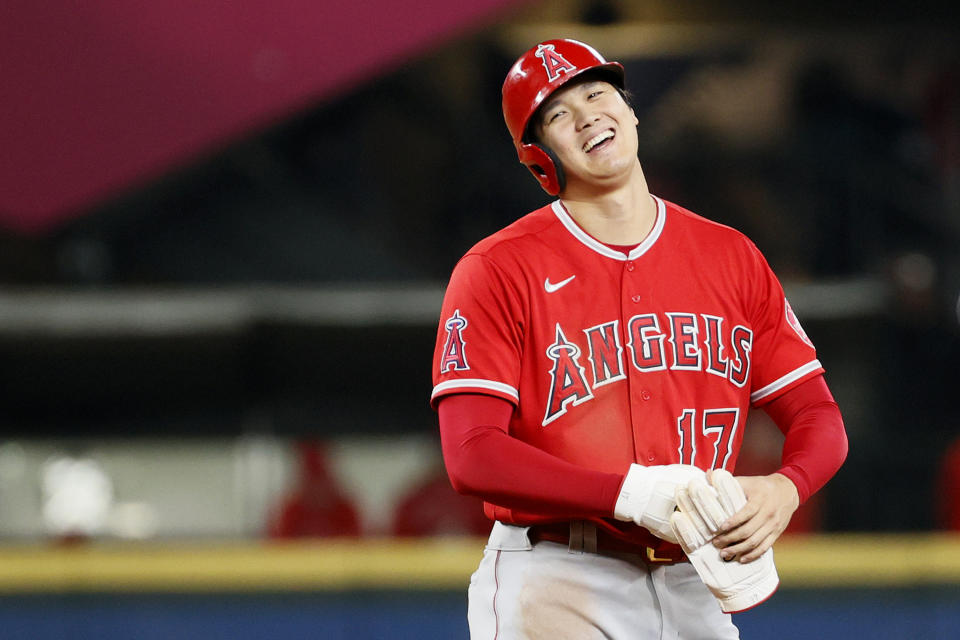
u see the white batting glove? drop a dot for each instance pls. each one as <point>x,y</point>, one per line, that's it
<point>648,496</point>
<point>737,586</point>
<point>708,506</point>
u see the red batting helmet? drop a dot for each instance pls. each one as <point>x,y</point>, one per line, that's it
<point>532,78</point>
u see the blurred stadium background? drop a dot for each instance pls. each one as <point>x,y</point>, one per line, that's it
<point>224,235</point>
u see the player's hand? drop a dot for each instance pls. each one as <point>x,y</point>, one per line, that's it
<point>771,501</point>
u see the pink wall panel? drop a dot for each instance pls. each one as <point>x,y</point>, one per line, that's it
<point>100,95</point>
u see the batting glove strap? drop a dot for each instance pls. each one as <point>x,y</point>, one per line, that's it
<point>648,496</point>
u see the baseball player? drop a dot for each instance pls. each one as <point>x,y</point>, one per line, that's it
<point>594,360</point>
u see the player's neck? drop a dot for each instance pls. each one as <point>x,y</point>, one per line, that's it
<point>625,215</point>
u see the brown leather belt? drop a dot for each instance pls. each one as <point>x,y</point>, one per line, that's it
<point>582,536</point>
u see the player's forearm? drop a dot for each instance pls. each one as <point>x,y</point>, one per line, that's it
<point>816,441</point>
<point>483,460</point>
<point>815,451</point>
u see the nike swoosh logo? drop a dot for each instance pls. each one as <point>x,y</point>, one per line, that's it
<point>551,287</point>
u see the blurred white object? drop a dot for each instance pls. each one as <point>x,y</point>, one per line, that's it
<point>134,520</point>
<point>77,496</point>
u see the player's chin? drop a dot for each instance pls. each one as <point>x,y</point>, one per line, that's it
<point>612,165</point>
<point>611,177</point>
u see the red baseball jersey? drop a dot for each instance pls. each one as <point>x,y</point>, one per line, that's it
<point>651,357</point>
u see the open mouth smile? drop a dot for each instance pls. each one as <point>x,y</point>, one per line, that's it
<point>597,140</point>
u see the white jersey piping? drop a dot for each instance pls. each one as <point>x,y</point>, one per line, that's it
<point>780,383</point>
<point>585,238</point>
<point>475,383</point>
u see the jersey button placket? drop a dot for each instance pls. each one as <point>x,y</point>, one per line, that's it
<point>632,281</point>
<point>630,266</point>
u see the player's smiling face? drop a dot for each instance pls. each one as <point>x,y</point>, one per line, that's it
<point>592,130</point>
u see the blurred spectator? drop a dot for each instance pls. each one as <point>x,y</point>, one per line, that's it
<point>948,489</point>
<point>433,508</point>
<point>942,121</point>
<point>317,507</point>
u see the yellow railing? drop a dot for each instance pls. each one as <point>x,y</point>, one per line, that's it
<point>842,560</point>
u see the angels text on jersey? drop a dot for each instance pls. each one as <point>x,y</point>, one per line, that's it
<point>579,362</point>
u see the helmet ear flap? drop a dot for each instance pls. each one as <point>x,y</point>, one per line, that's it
<point>545,167</point>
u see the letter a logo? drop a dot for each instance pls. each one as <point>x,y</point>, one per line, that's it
<point>454,357</point>
<point>553,62</point>
<point>794,322</point>
<point>568,385</point>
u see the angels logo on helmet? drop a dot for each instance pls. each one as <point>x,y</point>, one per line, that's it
<point>553,62</point>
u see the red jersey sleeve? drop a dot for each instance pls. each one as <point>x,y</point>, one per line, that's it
<point>783,355</point>
<point>480,337</point>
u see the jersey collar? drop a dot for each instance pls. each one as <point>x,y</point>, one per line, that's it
<point>561,212</point>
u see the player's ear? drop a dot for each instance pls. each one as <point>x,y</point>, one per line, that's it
<point>628,99</point>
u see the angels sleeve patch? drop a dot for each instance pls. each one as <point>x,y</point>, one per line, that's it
<point>794,322</point>
<point>454,355</point>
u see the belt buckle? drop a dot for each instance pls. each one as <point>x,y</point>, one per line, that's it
<point>653,557</point>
